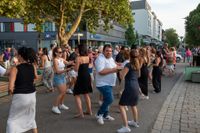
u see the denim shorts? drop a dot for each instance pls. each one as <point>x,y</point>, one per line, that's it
<point>59,79</point>
<point>90,70</point>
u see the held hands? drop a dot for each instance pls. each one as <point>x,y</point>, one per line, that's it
<point>67,69</point>
<point>71,63</point>
<point>119,67</point>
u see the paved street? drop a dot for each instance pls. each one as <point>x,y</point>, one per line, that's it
<point>50,123</point>
<point>180,112</point>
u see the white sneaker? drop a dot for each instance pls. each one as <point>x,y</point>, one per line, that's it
<point>147,97</point>
<point>109,118</point>
<point>69,91</point>
<point>56,110</point>
<point>97,116</point>
<point>124,130</point>
<point>62,106</point>
<point>154,92</point>
<point>100,119</point>
<point>133,123</point>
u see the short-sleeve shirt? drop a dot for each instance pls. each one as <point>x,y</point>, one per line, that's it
<point>6,56</point>
<point>101,63</point>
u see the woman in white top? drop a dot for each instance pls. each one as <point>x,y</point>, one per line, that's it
<point>59,79</point>
<point>48,71</point>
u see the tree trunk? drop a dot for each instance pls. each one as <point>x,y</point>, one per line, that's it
<point>61,27</point>
<point>63,36</point>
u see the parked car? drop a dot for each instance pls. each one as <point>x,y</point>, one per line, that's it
<point>178,57</point>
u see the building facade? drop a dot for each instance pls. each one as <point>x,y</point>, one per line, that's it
<point>14,33</point>
<point>147,25</point>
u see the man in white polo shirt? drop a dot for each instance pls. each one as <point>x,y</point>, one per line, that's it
<point>106,69</point>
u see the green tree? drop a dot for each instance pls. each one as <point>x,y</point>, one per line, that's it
<point>12,8</point>
<point>62,12</point>
<point>171,37</point>
<point>192,27</point>
<point>130,35</point>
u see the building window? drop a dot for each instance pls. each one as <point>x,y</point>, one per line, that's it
<point>8,27</point>
<point>19,27</point>
<point>83,27</point>
<point>31,27</point>
<point>48,26</point>
<point>68,27</point>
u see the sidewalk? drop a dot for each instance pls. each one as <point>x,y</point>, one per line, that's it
<point>180,112</point>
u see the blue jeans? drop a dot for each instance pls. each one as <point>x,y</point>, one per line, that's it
<point>108,97</point>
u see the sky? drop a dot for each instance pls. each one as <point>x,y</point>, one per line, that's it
<point>172,12</point>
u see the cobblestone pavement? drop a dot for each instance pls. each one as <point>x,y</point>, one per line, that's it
<point>180,112</point>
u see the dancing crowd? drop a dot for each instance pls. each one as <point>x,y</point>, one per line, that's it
<point>73,71</point>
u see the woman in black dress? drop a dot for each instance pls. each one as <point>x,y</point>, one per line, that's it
<point>143,79</point>
<point>83,82</point>
<point>130,94</point>
<point>157,72</point>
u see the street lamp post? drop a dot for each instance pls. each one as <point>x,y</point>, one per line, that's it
<point>181,37</point>
<point>79,37</point>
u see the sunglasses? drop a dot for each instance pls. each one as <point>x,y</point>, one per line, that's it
<point>60,52</point>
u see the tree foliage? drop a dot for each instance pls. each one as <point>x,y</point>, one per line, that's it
<point>192,27</point>
<point>171,37</point>
<point>62,12</point>
<point>130,35</point>
<point>12,8</point>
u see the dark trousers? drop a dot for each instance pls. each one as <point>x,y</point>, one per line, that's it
<point>144,87</point>
<point>156,80</point>
<point>143,80</point>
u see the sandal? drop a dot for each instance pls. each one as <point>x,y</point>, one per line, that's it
<point>79,116</point>
<point>87,113</point>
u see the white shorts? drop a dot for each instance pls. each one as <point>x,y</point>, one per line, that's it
<point>72,74</point>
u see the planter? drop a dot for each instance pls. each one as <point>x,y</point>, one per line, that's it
<point>196,76</point>
<point>188,72</point>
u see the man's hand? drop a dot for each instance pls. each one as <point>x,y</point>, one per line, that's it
<point>119,67</point>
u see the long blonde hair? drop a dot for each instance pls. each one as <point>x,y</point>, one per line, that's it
<point>144,58</point>
<point>134,60</point>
